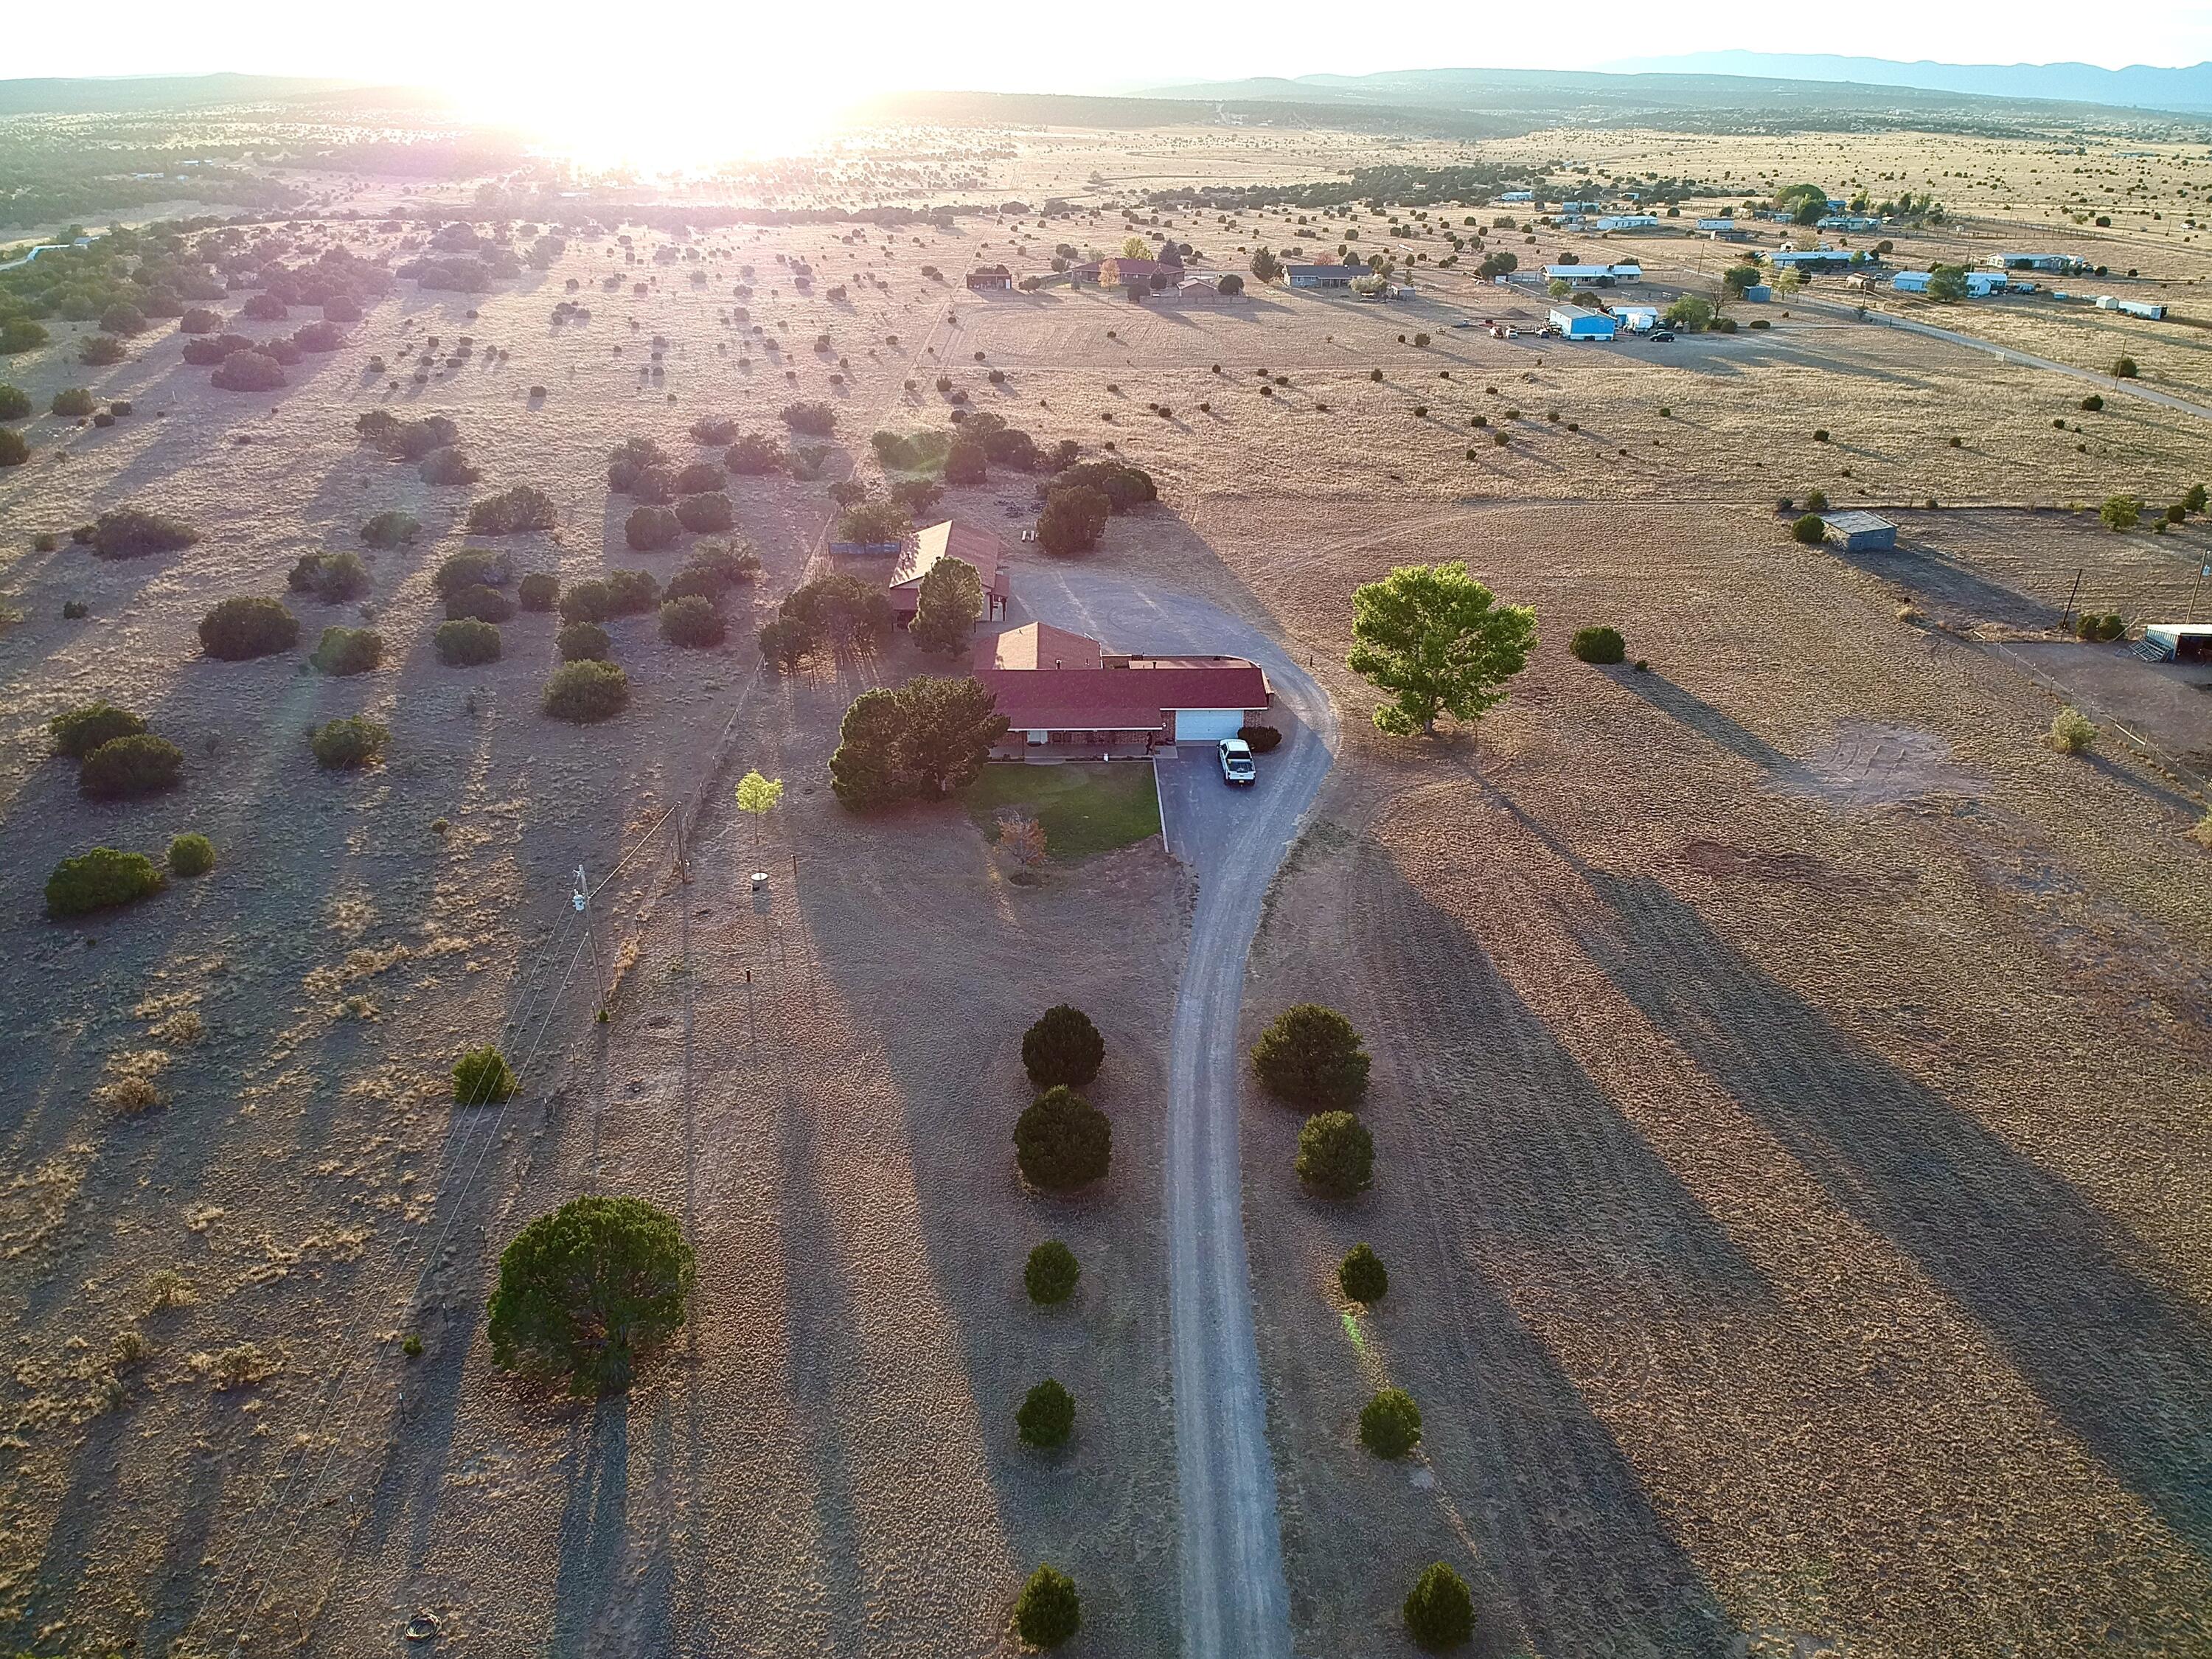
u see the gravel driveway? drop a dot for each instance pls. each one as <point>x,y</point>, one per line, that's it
<point>1234,1602</point>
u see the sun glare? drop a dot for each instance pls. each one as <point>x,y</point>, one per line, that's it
<point>687,125</point>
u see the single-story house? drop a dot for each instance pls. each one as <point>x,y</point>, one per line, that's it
<point>1517,195</point>
<point>2151,308</point>
<point>1577,323</point>
<point>2063,264</point>
<point>985,277</point>
<point>1726,232</point>
<point>1628,270</point>
<point>1580,207</point>
<point>1860,533</point>
<point>1910,282</point>
<point>1198,288</point>
<point>979,549</point>
<point>2176,642</point>
<point>1059,687</point>
<point>1980,284</point>
<point>1123,271</point>
<point>1628,222</point>
<point>1636,319</point>
<point>1846,221</point>
<point>1817,258</point>
<point>1322,276</point>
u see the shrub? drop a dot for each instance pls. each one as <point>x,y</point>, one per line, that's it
<point>77,731</point>
<point>2123,369</point>
<point>467,642</point>
<point>1261,740</point>
<point>1362,1277</point>
<point>1810,531</point>
<point>1047,1611</point>
<point>244,627</point>
<point>1311,1056</point>
<point>190,854</point>
<point>590,600</point>
<point>714,432</point>
<point>472,567</point>
<point>786,643</point>
<point>20,334</point>
<point>448,465</point>
<point>1336,1155</point>
<point>1597,645</point>
<point>100,351</point>
<point>1815,501</point>
<point>1047,1417</point>
<point>130,532</point>
<point>2120,513</point>
<point>2093,403</point>
<point>964,464</point>
<point>481,1077</point>
<point>649,529</point>
<point>1072,521</point>
<point>2071,731</point>
<point>586,691</point>
<point>331,577</point>
<point>653,486</point>
<point>478,603</point>
<point>15,402</point>
<point>816,420</point>
<point>393,529</point>
<point>1124,486</point>
<point>123,769</point>
<point>706,513</point>
<point>102,879</point>
<point>582,642</point>
<point>264,307</point>
<point>348,745</point>
<point>200,320</point>
<point>692,623</point>
<point>698,479</point>
<point>1061,1141</point>
<point>1063,1047</point>
<point>14,451</point>
<point>590,1292</point>
<point>752,455</point>
<point>72,401</point>
<point>1439,1613</point>
<point>1390,1424</point>
<point>345,651</point>
<point>2110,626</point>
<point>512,512</point>
<point>249,370</point>
<point>539,591</point>
<point>1051,1273</point>
<point>631,592</point>
<point>319,337</point>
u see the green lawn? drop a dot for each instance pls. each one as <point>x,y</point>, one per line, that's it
<point>1086,808</point>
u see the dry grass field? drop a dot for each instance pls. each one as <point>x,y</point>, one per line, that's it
<point>1789,1074</point>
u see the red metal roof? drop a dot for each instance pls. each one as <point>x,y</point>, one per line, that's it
<point>1119,699</point>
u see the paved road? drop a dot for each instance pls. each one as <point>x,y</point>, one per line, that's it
<point>1235,1605</point>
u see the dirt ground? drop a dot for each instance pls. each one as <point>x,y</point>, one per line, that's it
<point>1798,939</point>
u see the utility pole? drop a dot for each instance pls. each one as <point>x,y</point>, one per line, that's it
<point>2070,597</point>
<point>582,899</point>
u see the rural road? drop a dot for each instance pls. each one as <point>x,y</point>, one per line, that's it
<point>1235,1603</point>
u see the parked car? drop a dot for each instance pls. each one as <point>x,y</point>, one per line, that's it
<point>1660,335</point>
<point>1237,762</point>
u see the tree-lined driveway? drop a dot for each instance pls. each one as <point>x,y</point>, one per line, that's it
<point>1235,1605</point>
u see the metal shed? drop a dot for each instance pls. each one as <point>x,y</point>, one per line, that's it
<point>2176,642</point>
<point>1860,533</point>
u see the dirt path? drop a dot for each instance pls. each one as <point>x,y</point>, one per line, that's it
<point>1234,1599</point>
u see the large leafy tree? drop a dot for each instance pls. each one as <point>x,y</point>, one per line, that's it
<point>587,1293</point>
<point>950,598</point>
<point>867,772</point>
<point>1437,642</point>
<point>951,726</point>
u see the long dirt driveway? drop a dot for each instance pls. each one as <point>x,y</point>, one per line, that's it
<point>1235,1605</point>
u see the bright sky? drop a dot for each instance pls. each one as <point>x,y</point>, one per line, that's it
<point>682,66</point>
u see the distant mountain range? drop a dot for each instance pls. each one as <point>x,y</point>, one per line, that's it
<point>102,95</point>
<point>2137,87</point>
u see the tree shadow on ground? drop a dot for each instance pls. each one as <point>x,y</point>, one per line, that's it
<point>2120,1358</point>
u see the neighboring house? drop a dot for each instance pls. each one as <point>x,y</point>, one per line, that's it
<point>2064,264</point>
<point>1518,196</point>
<point>1322,276</point>
<point>1628,270</point>
<point>1121,271</point>
<point>986,277</point>
<point>1056,688</point>
<point>1980,284</point>
<point>977,548</point>
<point>1577,323</point>
<point>1628,222</point>
<point>1910,282</point>
<point>1727,224</point>
<point>1814,259</point>
<point>1846,221</point>
<point>1198,288</point>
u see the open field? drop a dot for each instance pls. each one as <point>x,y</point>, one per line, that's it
<point>1789,1074</point>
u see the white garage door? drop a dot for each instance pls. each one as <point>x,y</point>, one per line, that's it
<point>1207,725</point>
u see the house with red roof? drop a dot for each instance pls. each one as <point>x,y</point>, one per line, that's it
<point>980,549</point>
<point>1058,689</point>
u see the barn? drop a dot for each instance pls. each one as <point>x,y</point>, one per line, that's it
<point>1577,323</point>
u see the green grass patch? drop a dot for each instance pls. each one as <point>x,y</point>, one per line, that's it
<point>1086,808</point>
